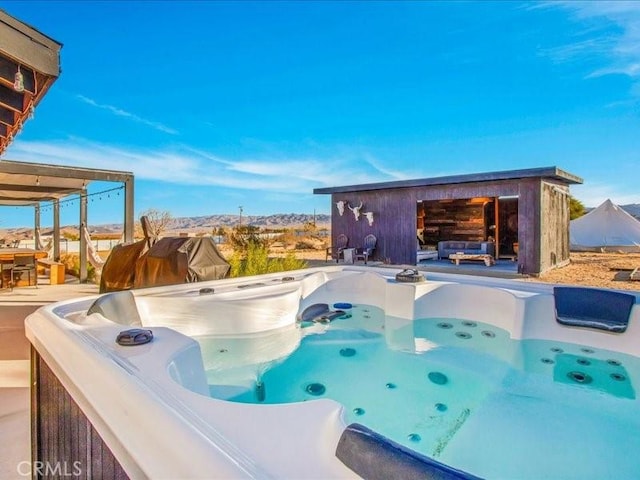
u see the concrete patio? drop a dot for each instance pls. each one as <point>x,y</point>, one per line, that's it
<point>14,367</point>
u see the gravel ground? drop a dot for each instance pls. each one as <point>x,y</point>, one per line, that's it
<point>607,270</point>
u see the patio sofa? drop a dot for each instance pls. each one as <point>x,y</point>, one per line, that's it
<point>447,247</point>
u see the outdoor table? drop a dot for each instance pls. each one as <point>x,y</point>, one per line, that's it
<point>9,255</point>
<point>349,255</point>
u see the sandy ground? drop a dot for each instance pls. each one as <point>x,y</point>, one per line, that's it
<point>607,270</point>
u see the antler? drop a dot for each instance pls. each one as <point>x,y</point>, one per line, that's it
<point>353,209</point>
<point>356,210</point>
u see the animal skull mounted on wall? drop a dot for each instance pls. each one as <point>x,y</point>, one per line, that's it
<point>356,210</point>
<point>369,217</point>
<point>340,205</point>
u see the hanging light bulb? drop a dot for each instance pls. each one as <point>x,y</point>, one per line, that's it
<point>38,181</point>
<point>18,81</point>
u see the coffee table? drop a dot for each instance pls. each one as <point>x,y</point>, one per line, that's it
<point>484,257</point>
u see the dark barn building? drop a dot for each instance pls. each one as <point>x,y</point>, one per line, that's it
<point>525,212</point>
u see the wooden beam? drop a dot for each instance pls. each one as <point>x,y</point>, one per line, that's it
<point>128,211</point>
<point>83,241</point>
<point>11,99</point>
<point>554,173</point>
<point>8,70</point>
<point>56,230</point>
<point>7,116</point>
<point>25,201</point>
<point>36,229</point>
<point>38,189</point>
<point>28,46</point>
<point>44,170</point>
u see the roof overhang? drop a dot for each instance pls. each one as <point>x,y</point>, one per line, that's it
<point>551,173</point>
<point>26,183</point>
<point>37,57</point>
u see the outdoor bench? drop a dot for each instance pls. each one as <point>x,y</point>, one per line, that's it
<point>56,270</point>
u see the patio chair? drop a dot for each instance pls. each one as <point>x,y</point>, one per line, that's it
<point>25,264</point>
<point>6,274</point>
<point>337,251</point>
<point>367,250</point>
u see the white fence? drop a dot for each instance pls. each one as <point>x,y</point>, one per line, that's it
<point>73,246</point>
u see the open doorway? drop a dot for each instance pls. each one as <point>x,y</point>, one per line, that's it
<point>478,219</point>
<point>463,219</point>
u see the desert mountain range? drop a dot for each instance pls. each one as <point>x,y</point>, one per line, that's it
<point>210,222</point>
<point>205,223</point>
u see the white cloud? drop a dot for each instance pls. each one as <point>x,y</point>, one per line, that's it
<point>621,48</point>
<point>595,193</point>
<point>187,166</point>
<point>578,50</point>
<point>123,113</point>
<point>391,174</point>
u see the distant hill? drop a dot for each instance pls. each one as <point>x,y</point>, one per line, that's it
<point>632,209</point>
<point>280,220</point>
<point>198,224</point>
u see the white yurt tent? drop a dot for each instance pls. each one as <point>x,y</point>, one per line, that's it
<point>607,228</point>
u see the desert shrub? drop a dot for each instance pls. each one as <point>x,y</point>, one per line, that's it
<point>576,208</point>
<point>289,262</point>
<point>72,266</point>
<point>254,260</point>
<point>287,238</point>
<point>241,237</point>
<point>72,236</point>
<point>309,244</point>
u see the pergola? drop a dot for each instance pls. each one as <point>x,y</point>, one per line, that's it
<point>29,65</point>
<point>31,184</point>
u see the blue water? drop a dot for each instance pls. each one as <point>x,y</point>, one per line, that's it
<point>456,390</point>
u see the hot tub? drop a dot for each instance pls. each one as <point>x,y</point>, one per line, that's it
<point>335,372</point>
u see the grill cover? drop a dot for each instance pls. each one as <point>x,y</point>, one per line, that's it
<point>171,260</point>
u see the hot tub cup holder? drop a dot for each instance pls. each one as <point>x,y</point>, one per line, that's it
<point>134,336</point>
<point>410,275</point>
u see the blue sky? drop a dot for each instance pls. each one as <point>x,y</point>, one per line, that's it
<point>216,105</point>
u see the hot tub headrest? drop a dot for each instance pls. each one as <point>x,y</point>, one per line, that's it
<point>593,308</point>
<point>319,312</point>
<point>375,457</point>
<point>119,307</point>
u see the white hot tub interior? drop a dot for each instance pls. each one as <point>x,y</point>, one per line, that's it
<point>170,378</point>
